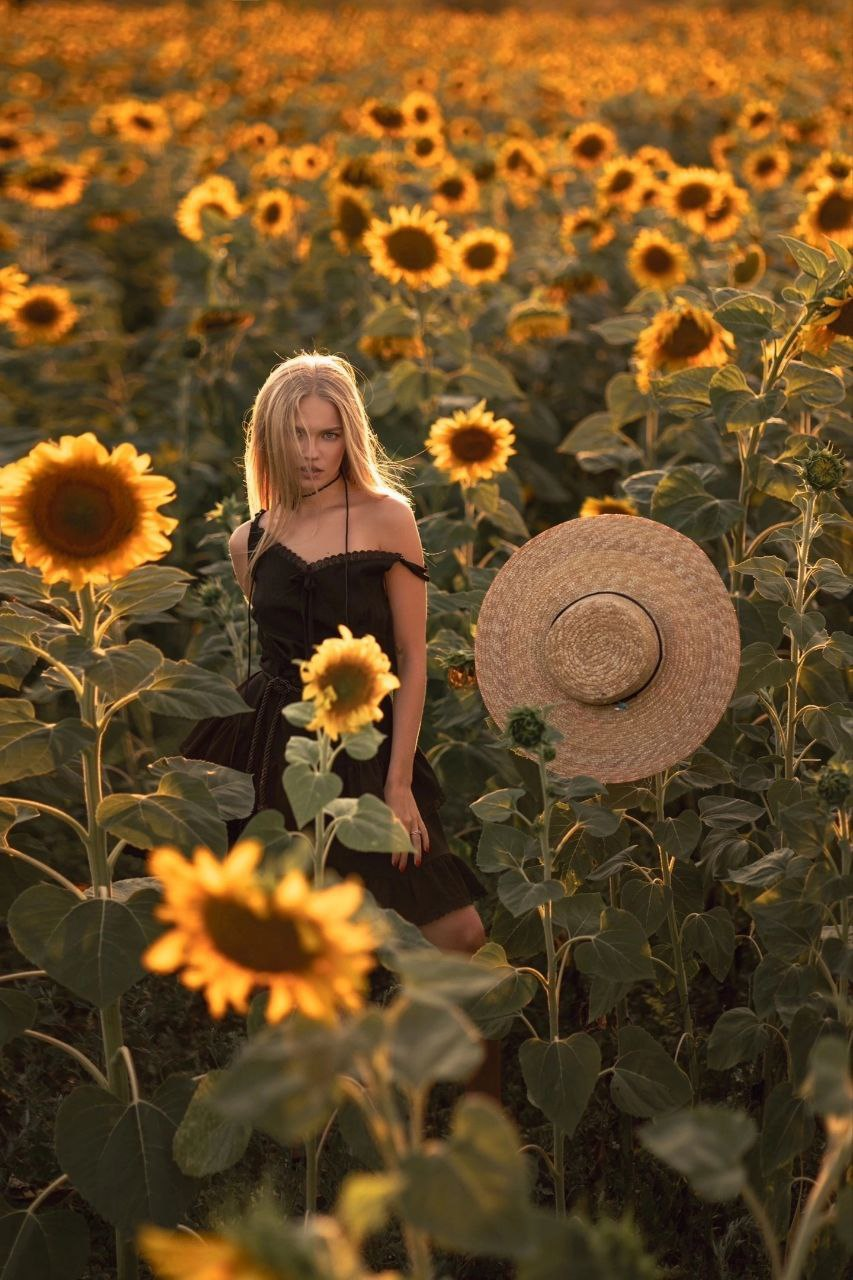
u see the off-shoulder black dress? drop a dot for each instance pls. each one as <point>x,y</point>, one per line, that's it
<point>297,604</point>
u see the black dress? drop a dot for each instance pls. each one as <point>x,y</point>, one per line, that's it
<point>297,604</point>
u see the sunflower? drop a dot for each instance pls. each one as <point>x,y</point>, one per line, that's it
<point>382,119</point>
<point>143,122</point>
<point>217,195</point>
<point>274,163</point>
<point>567,284</point>
<point>835,321</point>
<point>13,283</point>
<point>42,313</point>
<point>472,445</point>
<point>13,142</point>
<point>757,118</point>
<point>216,322</point>
<point>723,220</point>
<point>766,167</point>
<point>422,112</point>
<point>465,130</point>
<point>482,255</point>
<point>720,148</point>
<point>392,347</point>
<point>47,184</point>
<point>233,931</point>
<point>519,163</point>
<point>414,247</point>
<point>828,212</point>
<point>621,183</point>
<point>426,150</point>
<point>747,266</point>
<point>359,172</point>
<point>259,136</point>
<point>537,318</point>
<point>607,507</point>
<point>656,159</point>
<point>654,260</point>
<point>585,221</point>
<point>690,194</point>
<point>814,130</point>
<point>347,679</point>
<point>351,215</point>
<point>456,190</point>
<point>81,514</point>
<point>179,1255</point>
<point>590,144</point>
<point>837,165</point>
<point>680,337</point>
<point>308,161</point>
<point>274,213</point>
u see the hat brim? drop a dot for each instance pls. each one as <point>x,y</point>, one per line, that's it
<point>674,581</point>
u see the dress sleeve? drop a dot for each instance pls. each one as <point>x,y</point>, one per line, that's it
<point>418,569</point>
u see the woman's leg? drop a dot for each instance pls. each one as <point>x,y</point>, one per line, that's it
<point>460,930</point>
<point>463,930</point>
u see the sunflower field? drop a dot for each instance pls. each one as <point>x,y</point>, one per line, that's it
<point>587,261</point>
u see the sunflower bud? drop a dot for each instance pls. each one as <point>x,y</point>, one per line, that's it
<point>835,784</point>
<point>823,468</point>
<point>191,349</point>
<point>526,727</point>
<point>210,593</point>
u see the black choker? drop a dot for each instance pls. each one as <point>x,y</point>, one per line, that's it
<point>311,492</point>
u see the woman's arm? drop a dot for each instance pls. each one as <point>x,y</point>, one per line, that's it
<point>407,597</point>
<point>238,549</point>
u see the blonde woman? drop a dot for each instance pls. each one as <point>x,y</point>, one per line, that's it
<point>334,539</point>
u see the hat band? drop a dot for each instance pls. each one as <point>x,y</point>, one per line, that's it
<point>603,648</point>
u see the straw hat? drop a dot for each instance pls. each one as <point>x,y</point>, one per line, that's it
<point>624,630</point>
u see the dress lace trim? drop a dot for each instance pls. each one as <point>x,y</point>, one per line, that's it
<point>340,557</point>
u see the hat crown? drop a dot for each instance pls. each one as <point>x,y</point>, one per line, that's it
<point>602,648</point>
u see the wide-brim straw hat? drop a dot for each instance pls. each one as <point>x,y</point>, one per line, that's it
<point>622,630</point>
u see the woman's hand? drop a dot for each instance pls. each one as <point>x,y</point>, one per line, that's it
<point>399,798</point>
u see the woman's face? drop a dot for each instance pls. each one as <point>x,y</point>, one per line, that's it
<point>320,439</point>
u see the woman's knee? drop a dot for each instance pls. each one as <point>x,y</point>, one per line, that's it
<point>460,930</point>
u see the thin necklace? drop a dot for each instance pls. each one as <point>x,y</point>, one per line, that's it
<point>311,493</point>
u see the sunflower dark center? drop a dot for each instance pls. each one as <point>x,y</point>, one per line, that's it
<point>272,212</point>
<point>269,944</point>
<point>590,146</point>
<point>451,188</point>
<point>143,122</point>
<point>49,180</point>
<point>480,256</point>
<point>838,169</point>
<point>425,146</point>
<point>687,339</point>
<point>84,515</point>
<point>40,311</point>
<point>412,248</point>
<point>352,219</point>
<point>767,164</point>
<point>388,117</point>
<point>472,444</point>
<point>760,117</point>
<point>694,195</point>
<point>622,181</point>
<point>658,260</point>
<point>8,142</point>
<point>722,210</point>
<point>352,683</point>
<point>835,213</point>
<point>422,114</point>
<point>843,322</point>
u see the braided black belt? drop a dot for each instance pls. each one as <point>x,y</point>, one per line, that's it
<point>277,693</point>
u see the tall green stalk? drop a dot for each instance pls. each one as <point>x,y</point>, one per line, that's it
<point>666,865</point>
<point>553,983</point>
<point>803,551</point>
<point>112,1034</point>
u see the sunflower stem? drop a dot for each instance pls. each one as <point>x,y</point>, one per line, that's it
<point>553,982</point>
<point>675,938</point>
<point>803,550</point>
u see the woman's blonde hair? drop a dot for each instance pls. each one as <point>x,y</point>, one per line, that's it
<point>272,456</point>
